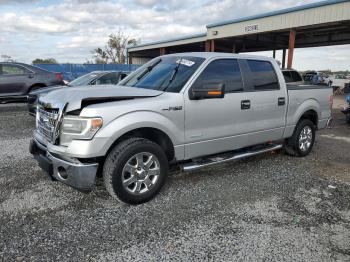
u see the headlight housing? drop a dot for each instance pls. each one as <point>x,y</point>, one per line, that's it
<point>80,128</point>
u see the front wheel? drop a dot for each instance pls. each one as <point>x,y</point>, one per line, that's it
<point>302,140</point>
<point>348,118</point>
<point>135,170</point>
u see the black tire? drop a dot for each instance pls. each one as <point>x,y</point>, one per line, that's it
<point>117,160</point>
<point>348,118</point>
<point>292,144</point>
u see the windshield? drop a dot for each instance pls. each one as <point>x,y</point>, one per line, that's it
<point>83,80</point>
<point>169,73</point>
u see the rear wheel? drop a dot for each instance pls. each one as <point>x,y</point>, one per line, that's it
<point>302,140</point>
<point>135,170</point>
<point>348,118</point>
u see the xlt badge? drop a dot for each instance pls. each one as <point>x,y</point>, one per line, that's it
<point>173,108</point>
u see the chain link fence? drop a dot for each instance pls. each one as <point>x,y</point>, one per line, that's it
<point>72,71</point>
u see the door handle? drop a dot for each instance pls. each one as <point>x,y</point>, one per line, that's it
<point>245,104</point>
<point>281,101</point>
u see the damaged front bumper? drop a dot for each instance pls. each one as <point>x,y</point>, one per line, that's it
<point>68,171</point>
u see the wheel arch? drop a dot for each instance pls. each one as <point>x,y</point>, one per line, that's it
<point>310,108</point>
<point>310,114</point>
<point>153,134</point>
<point>33,86</point>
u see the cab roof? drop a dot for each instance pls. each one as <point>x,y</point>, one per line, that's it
<point>209,55</point>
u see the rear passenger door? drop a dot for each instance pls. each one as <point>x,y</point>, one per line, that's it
<point>265,101</point>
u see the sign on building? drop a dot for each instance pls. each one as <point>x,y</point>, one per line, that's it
<point>251,28</point>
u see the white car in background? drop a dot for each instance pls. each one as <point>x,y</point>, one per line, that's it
<point>339,81</point>
<point>318,78</point>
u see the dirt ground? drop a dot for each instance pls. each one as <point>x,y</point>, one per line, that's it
<point>270,207</point>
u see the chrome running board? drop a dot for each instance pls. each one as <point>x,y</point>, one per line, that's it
<point>226,157</point>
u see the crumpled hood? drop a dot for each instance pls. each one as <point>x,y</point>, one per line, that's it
<point>45,90</point>
<point>78,97</point>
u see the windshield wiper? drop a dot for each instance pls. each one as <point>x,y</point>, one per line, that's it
<point>173,74</point>
<point>148,69</point>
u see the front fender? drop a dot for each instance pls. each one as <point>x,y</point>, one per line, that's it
<point>141,119</point>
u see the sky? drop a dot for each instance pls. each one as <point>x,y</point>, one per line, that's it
<point>68,30</point>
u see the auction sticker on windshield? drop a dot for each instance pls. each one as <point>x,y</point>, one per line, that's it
<point>185,62</point>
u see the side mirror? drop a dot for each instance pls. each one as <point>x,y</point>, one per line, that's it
<point>208,91</point>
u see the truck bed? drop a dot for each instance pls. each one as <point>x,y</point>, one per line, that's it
<point>307,97</point>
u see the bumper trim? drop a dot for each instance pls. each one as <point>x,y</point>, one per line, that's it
<point>75,174</point>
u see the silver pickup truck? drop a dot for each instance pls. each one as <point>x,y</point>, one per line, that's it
<point>189,110</point>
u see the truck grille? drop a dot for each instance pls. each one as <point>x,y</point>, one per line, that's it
<point>46,122</point>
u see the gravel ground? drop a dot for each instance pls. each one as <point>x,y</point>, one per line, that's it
<point>267,208</point>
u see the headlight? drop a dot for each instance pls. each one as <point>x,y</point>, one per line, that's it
<point>37,117</point>
<point>79,128</point>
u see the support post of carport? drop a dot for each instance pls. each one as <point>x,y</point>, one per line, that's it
<point>274,54</point>
<point>284,58</point>
<point>207,46</point>
<point>129,58</point>
<point>162,51</point>
<point>292,34</point>
<point>234,48</point>
<point>212,45</point>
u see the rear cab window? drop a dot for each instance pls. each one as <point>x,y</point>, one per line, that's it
<point>296,76</point>
<point>287,76</point>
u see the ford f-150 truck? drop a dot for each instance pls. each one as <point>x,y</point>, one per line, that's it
<point>189,110</point>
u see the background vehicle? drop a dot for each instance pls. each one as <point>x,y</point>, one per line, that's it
<point>339,81</point>
<point>191,110</point>
<point>317,78</point>
<point>93,78</point>
<point>346,110</point>
<point>292,77</point>
<point>18,79</point>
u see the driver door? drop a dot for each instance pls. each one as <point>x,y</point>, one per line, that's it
<point>213,125</point>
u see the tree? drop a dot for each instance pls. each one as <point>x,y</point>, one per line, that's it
<point>45,61</point>
<point>100,56</point>
<point>115,49</point>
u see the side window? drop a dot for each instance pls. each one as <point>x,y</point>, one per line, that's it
<point>224,71</point>
<point>13,70</point>
<point>122,76</point>
<point>264,75</point>
<point>107,79</point>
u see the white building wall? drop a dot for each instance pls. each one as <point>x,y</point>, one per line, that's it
<point>319,15</point>
<point>139,60</point>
